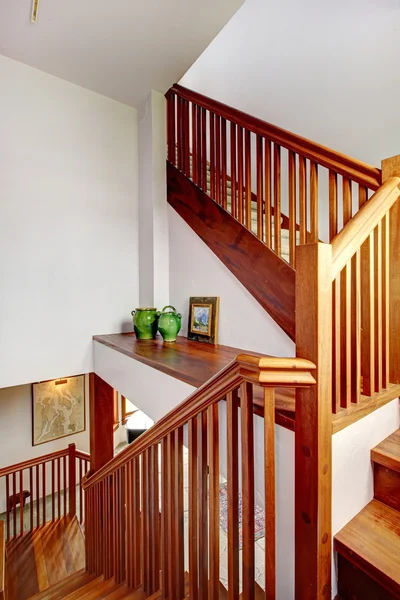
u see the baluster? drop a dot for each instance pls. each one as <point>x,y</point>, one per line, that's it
<point>145,522</point>
<point>204,150</point>
<point>165,511</point>
<point>59,489</point>
<point>129,525</point>
<point>44,492</point>
<point>214,523</point>
<point>172,583</point>
<point>378,306</point>
<point>218,159</point>
<point>154,520</point>
<point>223,159</point>
<point>356,328</point>
<point>345,316</point>
<point>199,142</point>
<point>333,205</point>
<point>385,301</point>
<point>53,492</point>
<point>247,445</point>
<point>292,207</point>
<point>233,494</point>
<point>303,199</point>
<point>277,199</point>
<point>65,483</point>
<point>37,496</point>
<point>178,514</point>
<point>80,491</point>
<point>212,156</point>
<point>194,143</point>
<point>14,481</point>
<point>136,522</point>
<point>240,207</point>
<point>21,502</point>
<point>172,138</point>
<point>247,167</point>
<point>31,499</point>
<point>333,230</point>
<point>269,481</point>
<point>110,529</point>
<point>122,523</point>
<point>313,202</point>
<point>8,506</point>
<point>202,502</point>
<point>72,479</point>
<point>268,197</point>
<point>179,132</point>
<point>260,185</point>
<point>193,518</point>
<point>233,171</point>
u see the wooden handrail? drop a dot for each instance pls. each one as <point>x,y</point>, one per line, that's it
<point>356,231</point>
<point>2,560</point>
<point>83,455</point>
<point>33,462</point>
<point>340,163</point>
<point>287,372</point>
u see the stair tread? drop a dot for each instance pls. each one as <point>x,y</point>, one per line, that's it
<point>66,586</point>
<point>371,541</point>
<point>85,591</point>
<point>387,453</point>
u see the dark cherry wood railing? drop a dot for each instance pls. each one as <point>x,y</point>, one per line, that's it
<point>135,529</point>
<point>2,561</point>
<point>256,170</point>
<point>46,487</point>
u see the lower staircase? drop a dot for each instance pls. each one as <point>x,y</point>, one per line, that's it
<point>369,545</point>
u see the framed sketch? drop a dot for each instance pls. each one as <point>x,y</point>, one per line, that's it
<point>58,409</point>
<point>203,319</point>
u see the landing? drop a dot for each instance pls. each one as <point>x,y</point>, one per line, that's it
<point>39,559</point>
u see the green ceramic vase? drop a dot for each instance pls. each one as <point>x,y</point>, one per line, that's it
<point>169,323</point>
<point>145,323</point>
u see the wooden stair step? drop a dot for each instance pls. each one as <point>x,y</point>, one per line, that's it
<point>371,542</point>
<point>387,453</point>
<point>85,591</point>
<point>67,586</point>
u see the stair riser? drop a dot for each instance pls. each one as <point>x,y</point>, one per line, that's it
<point>354,584</point>
<point>387,486</point>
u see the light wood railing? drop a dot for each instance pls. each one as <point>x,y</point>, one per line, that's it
<point>255,170</point>
<point>135,525</point>
<point>46,487</point>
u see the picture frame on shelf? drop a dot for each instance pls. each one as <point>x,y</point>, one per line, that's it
<point>203,319</point>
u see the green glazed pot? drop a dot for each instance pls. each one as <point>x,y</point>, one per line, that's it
<point>145,323</point>
<point>169,323</point>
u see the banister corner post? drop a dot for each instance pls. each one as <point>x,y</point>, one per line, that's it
<point>313,433</point>
<point>391,168</point>
<point>72,479</point>
<point>101,402</point>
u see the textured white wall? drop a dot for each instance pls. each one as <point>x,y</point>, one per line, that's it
<point>68,223</point>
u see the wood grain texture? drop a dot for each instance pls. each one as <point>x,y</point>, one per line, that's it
<point>101,398</point>
<point>387,453</point>
<point>371,541</point>
<point>387,486</point>
<point>2,559</point>
<point>354,584</point>
<point>266,276</point>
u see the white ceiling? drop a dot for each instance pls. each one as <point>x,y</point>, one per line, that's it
<point>119,48</point>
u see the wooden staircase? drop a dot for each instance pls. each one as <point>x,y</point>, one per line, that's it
<point>369,545</point>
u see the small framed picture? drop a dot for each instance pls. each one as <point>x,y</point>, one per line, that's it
<point>203,319</point>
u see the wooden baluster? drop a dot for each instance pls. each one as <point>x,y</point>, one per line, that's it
<point>65,483</point>
<point>268,197</point>
<point>169,128</point>
<point>204,150</point>
<point>270,501</point>
<point>233,494</point>
<point>193,519</point>
<point>356,328</point>
<point>72,479</point>
<point>136,523</point>
<point>292,207</point>
<point>14,509</point>
<point>277,200</point>
<point>80,491</point>
<point>218,159</point>
<point>199,142</point>
<point>31,498</point>
<point>247,168</point>
<point>378,306</point>
<point>223,166</point>
<point>303,199</point>
<point>59,489</point>
<point>188,147</point>
<point>8,506</point>
<point>346,312</point>
<point>313,202</point>
<point>173,131</point>
<point>129,525</point>
<point>233,171</point>
<point>165,511</point>
<point>240,206</point>
<point>155,565</point>
<point>247,445</point>
<point>53,492</point>
<point>385,301</point>
<point>336,295</point>
<point>179,132</point>
<point>214,523</point>
<point>145,522</point>
<point>194,143</point>
<point>21,502</point>
<point>44,492</point>
<point>178,514</point>
<point>171,478</point>
<point>202,502</point>
<point>122,522</point>
<point>114,508</point>
<point>260,185</point>
<point>37,496</point>
<point>212,156</point>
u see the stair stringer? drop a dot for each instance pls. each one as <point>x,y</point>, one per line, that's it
<point>268,278</point>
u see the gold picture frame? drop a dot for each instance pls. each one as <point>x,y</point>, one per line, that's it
<point>203,319</point>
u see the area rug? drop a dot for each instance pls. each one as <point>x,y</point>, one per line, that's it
<point>259,517</point>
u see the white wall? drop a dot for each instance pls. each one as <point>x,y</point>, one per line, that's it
<point>68,223</point>
<point>16,431</point>
<point>196,271</point>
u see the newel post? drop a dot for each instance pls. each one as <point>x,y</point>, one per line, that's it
<point>391,168</point>
<point>313,445</point>
<point>72,479</point>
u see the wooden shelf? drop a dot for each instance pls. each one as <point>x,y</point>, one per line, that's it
<point>194,363</point>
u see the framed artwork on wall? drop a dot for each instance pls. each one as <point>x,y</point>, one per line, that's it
<point>58,409</point>
<point>203,319</point>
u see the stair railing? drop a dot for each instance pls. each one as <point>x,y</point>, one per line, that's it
<point>256,170</point>
<point>2,561</point>
<point>139,523</point>
<point>46,486</point>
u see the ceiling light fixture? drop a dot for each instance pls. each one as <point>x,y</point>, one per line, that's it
<point>35,8</point>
